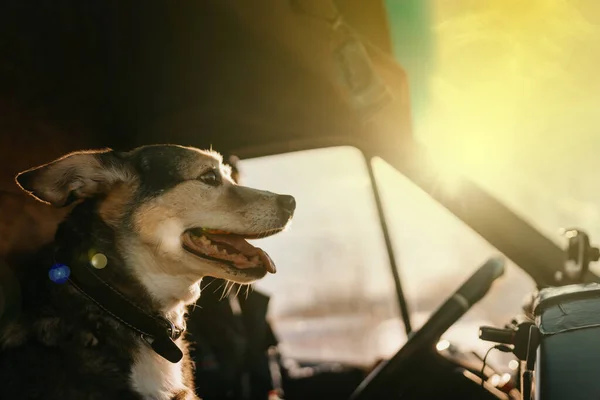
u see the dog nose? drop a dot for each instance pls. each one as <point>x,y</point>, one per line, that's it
<point>287,203</point>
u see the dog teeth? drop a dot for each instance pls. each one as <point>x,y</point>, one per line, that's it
<point>211,248</point>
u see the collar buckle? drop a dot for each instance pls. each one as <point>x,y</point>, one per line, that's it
<point>173,332</point>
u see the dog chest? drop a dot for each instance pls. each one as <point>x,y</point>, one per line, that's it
<point>154,377</point>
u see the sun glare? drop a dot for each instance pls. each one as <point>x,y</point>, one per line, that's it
<point>446,172</point>
<point>512,104</point>
<point>505,81</point>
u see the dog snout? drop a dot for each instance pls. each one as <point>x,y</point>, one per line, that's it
<point>287,204</point>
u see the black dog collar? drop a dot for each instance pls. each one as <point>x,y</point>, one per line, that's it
<point>158,332</point>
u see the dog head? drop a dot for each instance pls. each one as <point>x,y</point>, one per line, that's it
<point>174,209</point>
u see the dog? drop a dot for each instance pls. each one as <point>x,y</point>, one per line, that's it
<point>104,306</point>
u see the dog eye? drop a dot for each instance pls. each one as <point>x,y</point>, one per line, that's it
<point>211,178</point>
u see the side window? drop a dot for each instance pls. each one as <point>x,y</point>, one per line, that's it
<point>333,296</point>
<point>436,252</point>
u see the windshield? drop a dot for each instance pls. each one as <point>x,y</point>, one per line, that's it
<point>333,298</point>
<point>507,93</point>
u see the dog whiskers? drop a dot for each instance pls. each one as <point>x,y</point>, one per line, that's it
<point>225,290</point>
<point>219,287</point>
<point>206,287</point>
<point>230,288</point>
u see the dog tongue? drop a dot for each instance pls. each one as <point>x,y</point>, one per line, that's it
<point>241,245</point>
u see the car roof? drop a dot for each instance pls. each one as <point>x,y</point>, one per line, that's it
<point>232,75</point>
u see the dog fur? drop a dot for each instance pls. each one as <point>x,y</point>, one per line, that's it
<point>133,207</point>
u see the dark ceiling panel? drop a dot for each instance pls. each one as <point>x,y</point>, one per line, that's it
<point>228,73</point>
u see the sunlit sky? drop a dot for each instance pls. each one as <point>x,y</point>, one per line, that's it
<point>513,101</point>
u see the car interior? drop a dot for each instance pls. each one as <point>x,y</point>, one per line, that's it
<point>404,275</point>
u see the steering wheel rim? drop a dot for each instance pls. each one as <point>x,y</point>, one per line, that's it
<point>471,291</point>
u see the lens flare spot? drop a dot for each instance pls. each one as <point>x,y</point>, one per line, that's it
<point>59,273</point>
<point>442,345</point>
<point>99,261</point>
<point>495,380</point>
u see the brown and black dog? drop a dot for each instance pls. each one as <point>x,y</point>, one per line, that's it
<point>104,306</point>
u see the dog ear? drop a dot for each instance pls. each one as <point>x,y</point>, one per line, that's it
<point>75,176</point>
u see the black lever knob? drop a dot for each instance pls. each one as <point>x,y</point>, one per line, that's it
<point>497,335</point>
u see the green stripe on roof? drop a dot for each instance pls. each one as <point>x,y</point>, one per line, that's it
<point>410,24</point>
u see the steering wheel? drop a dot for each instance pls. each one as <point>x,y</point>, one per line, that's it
<point>473,290</point>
